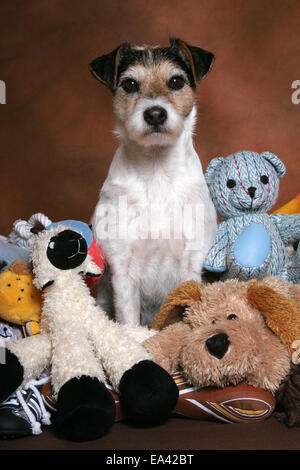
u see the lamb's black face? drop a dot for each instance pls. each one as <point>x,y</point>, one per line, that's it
<point>67,250</point>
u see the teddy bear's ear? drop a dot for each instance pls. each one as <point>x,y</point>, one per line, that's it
<point>275,162</point>
<point>210,170</point>
<point>175,304</point>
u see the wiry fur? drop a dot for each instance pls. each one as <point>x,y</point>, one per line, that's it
<point>159,168</point>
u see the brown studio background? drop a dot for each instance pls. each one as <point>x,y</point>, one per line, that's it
<point>56,128</point>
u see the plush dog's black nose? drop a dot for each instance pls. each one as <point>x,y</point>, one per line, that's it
<point>155,116</point>
<point>251,191</point>
<point>217,345</point>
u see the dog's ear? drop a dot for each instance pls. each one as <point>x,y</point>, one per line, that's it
<point>105,67</point>
<point>199,60</point>
<point>281,313</point>
<point>175,304</point>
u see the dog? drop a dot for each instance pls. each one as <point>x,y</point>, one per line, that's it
<point>155,220</point>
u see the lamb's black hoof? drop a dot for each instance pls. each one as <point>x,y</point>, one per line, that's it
<point>85,409</point>
<point>11,373</point>
<point>148,393</point>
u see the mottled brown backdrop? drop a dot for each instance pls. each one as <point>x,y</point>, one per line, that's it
<point>56,128</point>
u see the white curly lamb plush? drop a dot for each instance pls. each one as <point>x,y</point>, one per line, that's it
<point>80,342</point>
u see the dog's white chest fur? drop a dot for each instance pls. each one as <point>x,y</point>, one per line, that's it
<point>164,224</point>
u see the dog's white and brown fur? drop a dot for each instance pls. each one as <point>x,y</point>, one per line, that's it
<point>155,165</point>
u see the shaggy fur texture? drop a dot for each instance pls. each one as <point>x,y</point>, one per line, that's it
<point>76,336</point>
<point>281,309</point>
<point>82,346</point>
<point>251,352</point>
<point>154,169</point>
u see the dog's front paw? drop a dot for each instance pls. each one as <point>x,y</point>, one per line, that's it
<point>85,409</point>
<point>148,393</point>
<point>11,373</point>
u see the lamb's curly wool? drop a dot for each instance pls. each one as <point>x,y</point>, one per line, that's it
<point>81,344</point>
<point>73,328</point>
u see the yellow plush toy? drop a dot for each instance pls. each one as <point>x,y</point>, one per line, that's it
<point>20,301</point>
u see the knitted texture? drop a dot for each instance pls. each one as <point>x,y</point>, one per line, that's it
<point>250,243</point>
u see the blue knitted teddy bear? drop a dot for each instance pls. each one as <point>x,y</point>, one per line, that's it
<point>250,243</point>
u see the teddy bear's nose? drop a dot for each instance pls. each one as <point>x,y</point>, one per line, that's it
<point>217,345</point>
<point>251,191</point>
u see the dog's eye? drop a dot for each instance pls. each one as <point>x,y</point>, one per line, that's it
<point>176,83</point>
<point>231,184</point>
<point>130,85</point>
<point>264,179</point>
<point>232,317</point>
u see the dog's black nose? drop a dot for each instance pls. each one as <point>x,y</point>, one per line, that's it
<point>251,191</point>
<point>155,116</point>
<point>217,345</point>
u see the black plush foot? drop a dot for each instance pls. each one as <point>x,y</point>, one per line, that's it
<point>11,373</point>
<point>148,393</point>
<point>85,409</point>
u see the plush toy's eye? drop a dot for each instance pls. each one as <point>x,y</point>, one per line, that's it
<point>232,317</point>
<point>231,184</point>
<point>130,85</point>
<point>176,82</point>
<point>264,179</point>
<point>67,250</point>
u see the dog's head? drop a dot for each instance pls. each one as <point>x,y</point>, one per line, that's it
<point>226,340</point>
<point>153,88</point>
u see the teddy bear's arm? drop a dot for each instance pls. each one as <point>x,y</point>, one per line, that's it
<point>166,345</point>
<point>216,258</point>
<point>288,226</point>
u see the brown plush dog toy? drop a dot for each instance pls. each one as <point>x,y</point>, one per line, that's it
<point>217,335</point>
<point>279,302</point>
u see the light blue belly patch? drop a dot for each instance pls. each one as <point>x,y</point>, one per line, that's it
<point>253,246</point>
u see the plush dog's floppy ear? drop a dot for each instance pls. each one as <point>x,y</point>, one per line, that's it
<point>105,67</point>
<point>282,314</point>
<point>275,162</point>
<point>176,303</point>
<point>199,59</point>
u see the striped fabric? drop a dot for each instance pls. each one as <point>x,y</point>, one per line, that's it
<point>237,404</point>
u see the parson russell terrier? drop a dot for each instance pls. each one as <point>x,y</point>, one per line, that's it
<point>154,221</point>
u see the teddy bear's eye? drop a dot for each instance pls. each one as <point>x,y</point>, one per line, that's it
<point>214,321</point>
<point>231,184</point>
<point>232,317</point>
<point>264,179</point>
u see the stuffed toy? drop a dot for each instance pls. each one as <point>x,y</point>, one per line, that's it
<point>291,207</point>
<point>16,246</point>
<point>279,302</point>
<point>79,342</point>
<point>250,243</point>
<point>217,338</point>
<point>20,300</point>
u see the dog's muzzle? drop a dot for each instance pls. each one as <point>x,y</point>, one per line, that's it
<point>218,345</point>
<point>155,116</point>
